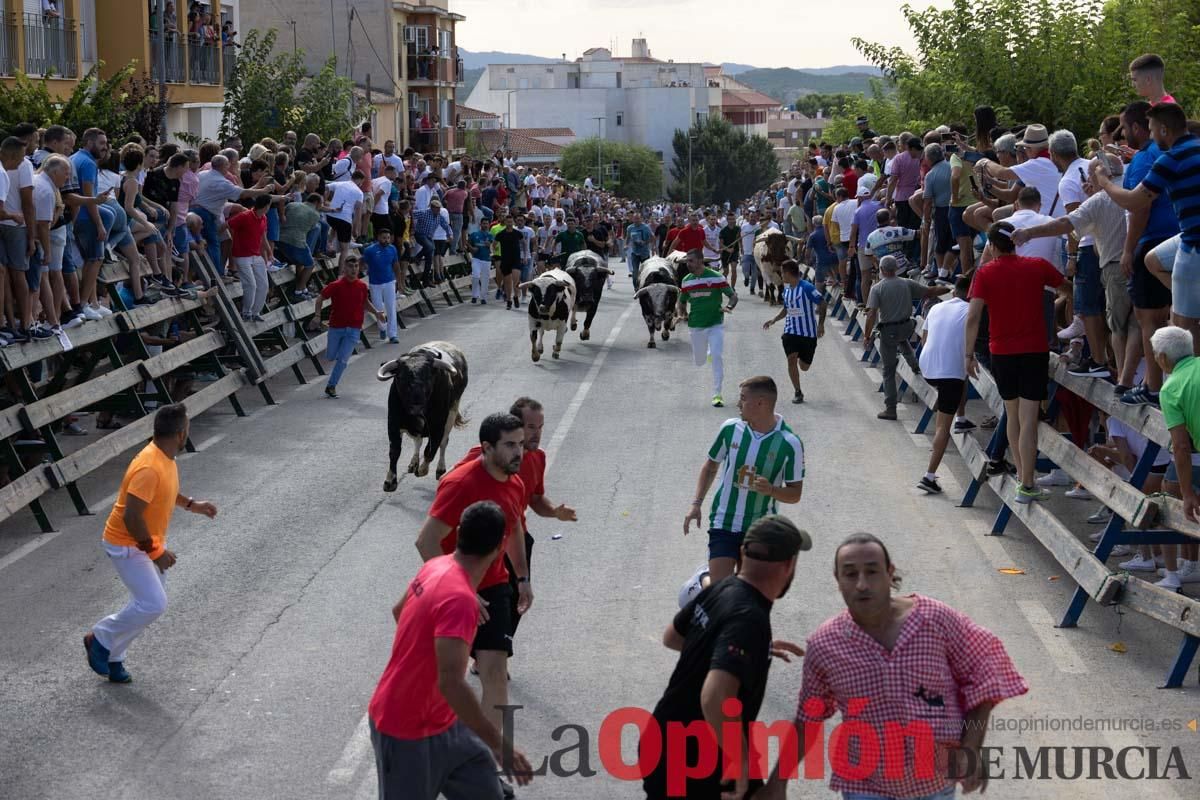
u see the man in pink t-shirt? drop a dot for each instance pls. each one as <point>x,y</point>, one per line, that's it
<point>429,731</point>
<point>1146,73</point>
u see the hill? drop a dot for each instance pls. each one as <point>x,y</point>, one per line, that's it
<point>473,61</point>
<point>786,84</point>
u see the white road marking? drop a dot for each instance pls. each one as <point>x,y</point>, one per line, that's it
<point>359,746</point>
<point>27,548</point>
<point>1057,647</point>
<point>209,442</point>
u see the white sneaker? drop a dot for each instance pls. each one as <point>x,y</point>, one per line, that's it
<point>1055,477</point>
<point>1079,493</point>
<point>1095,537</point>
<point>91,314</point>
<point>1170,581</point>
<point>1188,572</point>
<point>1120,551</point>
<point>73,322</point>
<point>103,311</point>
<point>1072,330</point>
<point>1138,563</point>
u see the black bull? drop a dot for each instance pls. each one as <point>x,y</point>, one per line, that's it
<point>590,274</point>
<point>427,385</point>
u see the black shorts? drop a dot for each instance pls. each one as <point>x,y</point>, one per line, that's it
<point>496,633</point>
<point>950,392</point>
<point>515,618</point>
<point>380,222</point>
<point>1021,375</point>
<point>941,229</point>
<point>1145,290</point>
<point>343,229</point>
<point>802,346</point>
<point>441,246</point>
<point>906,217</point>
<point>507,269</point>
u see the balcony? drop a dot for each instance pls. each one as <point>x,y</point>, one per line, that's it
<point>435,69</point>
<point>8,45</point>
<point>174,60</point>
<point>204,61</point>
<point>228,62</point>
<point>50,46</point>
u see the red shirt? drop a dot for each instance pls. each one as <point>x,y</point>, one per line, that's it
<point>468,483</point>
<point>850,182</point>
<point>439,604</point>
<point>1012,287</point>
<point>247,229</point>
<point>532,474</point>
<point>348,299</point>
<point>689,238</point>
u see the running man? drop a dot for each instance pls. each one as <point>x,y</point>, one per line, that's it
<point>705,290</point>
<point>803,313</point>
<point>430,734</point>
<point>492,476</point>
<point>760,463</point>
<point>942,367</point>
<point>135,538</point>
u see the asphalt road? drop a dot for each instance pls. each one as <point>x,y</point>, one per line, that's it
<point>255,682</point>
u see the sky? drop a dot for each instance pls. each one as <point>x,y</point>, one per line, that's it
<point>777,35</point>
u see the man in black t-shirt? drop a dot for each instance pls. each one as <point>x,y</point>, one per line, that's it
<point>510,240</point>
<point>162,186</point>
<point>597,238</point>
<point>724,641</point>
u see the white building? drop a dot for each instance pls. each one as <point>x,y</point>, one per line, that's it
<point>636,99</point>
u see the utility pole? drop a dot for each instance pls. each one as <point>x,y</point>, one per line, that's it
<point>599,168</point>
<point>295,47</point>
<point>162,71</point>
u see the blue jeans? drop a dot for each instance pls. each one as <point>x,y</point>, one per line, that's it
<point>750,270</point>
<point>318,238</point>
<point>456,225</point>
<point>273,224</point>
<point>339,347</point>
<point>212,244</point>
<point>90,246</point>
<point>427,250</point>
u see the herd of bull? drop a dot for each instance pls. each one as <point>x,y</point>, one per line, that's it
<point>428,381</point>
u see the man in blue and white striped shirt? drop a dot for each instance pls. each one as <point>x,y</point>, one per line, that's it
<point>803,313</point>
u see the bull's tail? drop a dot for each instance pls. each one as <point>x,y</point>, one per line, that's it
<point>460,421</point>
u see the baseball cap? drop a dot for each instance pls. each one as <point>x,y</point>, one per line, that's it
<point>862,191</point>
<point>775,538</point>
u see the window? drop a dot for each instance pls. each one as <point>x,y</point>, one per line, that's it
<point>444,43</point>
<point>618,81</point>
<point>620,119</point>
<point>417,35</point>
<point>501,83</point>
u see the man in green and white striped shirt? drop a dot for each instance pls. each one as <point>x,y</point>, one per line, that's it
<point>759,462</point>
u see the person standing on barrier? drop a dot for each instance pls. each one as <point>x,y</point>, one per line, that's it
<point>348,297</point>
<point>249,231</point>
<point>1011,288</point>
<point>1180,402</point>
<point>383,265</point>
<point>891,662</point>
<point>135,538</point>
<point>942,367</point>
<point>889,310</point>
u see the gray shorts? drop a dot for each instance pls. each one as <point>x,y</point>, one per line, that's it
<point>1118,305</point>
<point>13,242</point>
<point>455,763</point>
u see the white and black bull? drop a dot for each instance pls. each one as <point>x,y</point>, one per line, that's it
<point>658,294</point>
<point>551,298</point>
<point>427,386</point>
<point>590,274</point>
<point>770,251</point>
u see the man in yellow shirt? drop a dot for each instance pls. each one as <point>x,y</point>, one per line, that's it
<point>135,538</point>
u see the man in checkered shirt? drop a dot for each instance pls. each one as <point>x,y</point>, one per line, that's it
<point>904,660</point>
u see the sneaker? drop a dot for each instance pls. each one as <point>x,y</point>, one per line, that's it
<point>382,336</point>
<point>1089,369</point>
<point>73,322</point>
<point>483,302</point>
<point>394,340</point>
<point>330,391</point>
<point>39,332</point>
<point>256,318</point>
<point>1120,551</point>
<point>887,413</point>
<point>1054,478</point>
<point>1079,493</point>
<point>508,305</point>
<point>930,486</point>
<point>1100,517</point>
<point>97,654</point>
<point>144,300</point>
<point>1026,495</point>
<point>91,314</point>
<point>1188,572</point>
<point>798,397</point>
<point>117,673</point>
<point>103,311</point>
<point>1170,581</point>
<point>989,422</point>
<point>73,429</point>
<point>1120,390</point>
<point>1140,396</point>
<point>718,401</point>
<point>963,425</point>
<point>1138,564</point>
<point>474,300</point>
<point>1071,331</point>
<point>517,303</point>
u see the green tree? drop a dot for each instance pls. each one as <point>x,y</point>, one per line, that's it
<point>726,164</point>
<point>326,104</point>
<point>260,95</point>
<point>120,105</point>
<point>810,104</point>
<point>639,175</point>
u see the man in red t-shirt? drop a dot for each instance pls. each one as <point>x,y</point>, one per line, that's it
<point>348,298</point>
<point>492,476</point>
<point>1011,287</point>
<point>533,475</point>
<point>689,237</point>
<point>430,733</point>
<point>248,230</point>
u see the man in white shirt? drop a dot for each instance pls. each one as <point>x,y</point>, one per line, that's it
<point>528,248</point>
<point>346,200</point>
<point>425,193</point>
<point>388,156</point>
<point>843,215</point>
<point>1037,171</point>
<point>943,368</point>
<point>712,240</point>
<point>381,193</point>
<point>750,229</point>
<point>587,183</point>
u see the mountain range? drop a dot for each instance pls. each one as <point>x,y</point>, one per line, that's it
<point>784,84</point>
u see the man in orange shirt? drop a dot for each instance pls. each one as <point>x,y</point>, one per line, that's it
<point>135,539</point>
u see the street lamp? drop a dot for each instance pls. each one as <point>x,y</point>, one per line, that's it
<point>508,120</point>
<point>599,168</point>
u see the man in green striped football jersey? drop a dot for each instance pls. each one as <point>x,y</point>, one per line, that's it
<point>759,462</point>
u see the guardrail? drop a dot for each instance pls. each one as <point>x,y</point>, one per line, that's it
<point>106,367</point>
<point>1138,519</point>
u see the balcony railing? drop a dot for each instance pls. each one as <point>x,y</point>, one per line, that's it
<point>228,61</point>
<point>8,45</point>
<point>50,46</point>
<point>204,62</point>
<point>174,59</point>
<point>430,140</point>
<point>434,68</point>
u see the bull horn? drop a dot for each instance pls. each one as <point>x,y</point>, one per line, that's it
<point>439,363</point>
<point>388,370</point>
<point>605,270</point>
<point>640,292</point>
<point>525,285</point>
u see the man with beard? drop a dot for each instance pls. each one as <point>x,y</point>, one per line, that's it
<point>724,641</point>
<point>492,476</point>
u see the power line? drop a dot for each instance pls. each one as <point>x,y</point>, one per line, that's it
<point>386,70</point>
